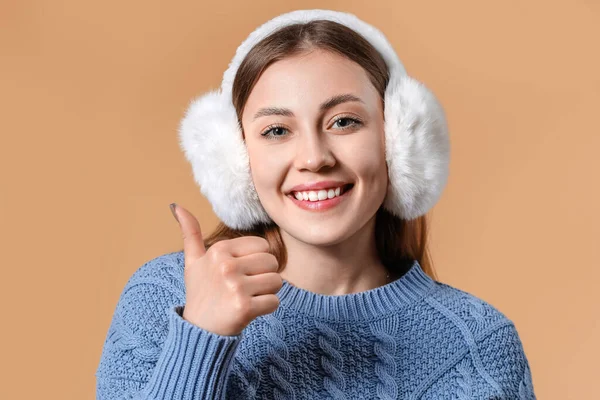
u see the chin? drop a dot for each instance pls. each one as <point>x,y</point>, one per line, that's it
<point>318,234</point>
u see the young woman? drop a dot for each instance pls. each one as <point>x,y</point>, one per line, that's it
<point>321,157</point>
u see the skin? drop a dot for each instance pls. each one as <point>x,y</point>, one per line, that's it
<point>329,252</point>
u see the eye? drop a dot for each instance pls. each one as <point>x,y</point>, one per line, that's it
<point>269,132</point>
<point>354,122</point>
<point>276,132</point>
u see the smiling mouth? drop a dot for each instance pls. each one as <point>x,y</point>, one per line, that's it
<point>315,196</point>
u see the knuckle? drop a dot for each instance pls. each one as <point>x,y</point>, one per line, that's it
<point>219,247</point>
<point>227,267</point>
<point>241,306</point>
<point>213,255</point>
<point>236,287</point>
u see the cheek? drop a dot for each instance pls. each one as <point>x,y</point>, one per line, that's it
<point>373,168</point>
<point>266,169</point>
<point>369,165</point>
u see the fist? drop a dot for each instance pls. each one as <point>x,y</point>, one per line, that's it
<point>231,283</point>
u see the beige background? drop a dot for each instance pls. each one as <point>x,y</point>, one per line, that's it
<point>91,94</point>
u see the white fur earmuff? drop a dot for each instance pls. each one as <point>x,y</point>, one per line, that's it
<point>416,135</point>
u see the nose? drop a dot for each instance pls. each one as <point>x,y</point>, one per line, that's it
<point>313,152</point>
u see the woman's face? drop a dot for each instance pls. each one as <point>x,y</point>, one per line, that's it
<point>296,135</point>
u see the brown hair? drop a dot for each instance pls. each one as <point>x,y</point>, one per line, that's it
<point>398,241</point>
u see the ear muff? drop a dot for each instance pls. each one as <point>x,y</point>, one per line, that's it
<point>417,148</point>
<point>417,142</point>
<point>211,139</point>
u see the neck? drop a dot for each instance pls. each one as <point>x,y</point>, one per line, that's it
<point>350,266</point>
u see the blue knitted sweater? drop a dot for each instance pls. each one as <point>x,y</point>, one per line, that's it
<point>413,338</point>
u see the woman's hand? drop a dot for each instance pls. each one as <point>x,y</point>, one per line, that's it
<point>229,285</point>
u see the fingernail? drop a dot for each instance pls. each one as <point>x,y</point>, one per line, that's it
<point>172,206</point>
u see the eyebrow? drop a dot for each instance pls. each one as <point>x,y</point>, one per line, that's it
<point>326,105</point>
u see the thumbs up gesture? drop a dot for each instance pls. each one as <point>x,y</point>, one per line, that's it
<point>231,283</point>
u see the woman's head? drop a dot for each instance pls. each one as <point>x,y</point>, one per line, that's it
<point>343,142</point>
<point>297,68</point>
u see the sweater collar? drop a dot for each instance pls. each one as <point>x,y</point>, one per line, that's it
<point>361,306</point>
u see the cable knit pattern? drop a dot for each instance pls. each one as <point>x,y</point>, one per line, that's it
<point>414,338</point>
<point>125,340</point>
<point>384,348</point>
<point>248,376</point>
<point>331,360</point>
<point>280,369</point>
<point>464,381</point>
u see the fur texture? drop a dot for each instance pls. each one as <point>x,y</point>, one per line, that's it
<point>417,143</point>
<point>417,148</point>
<point>212,142</point>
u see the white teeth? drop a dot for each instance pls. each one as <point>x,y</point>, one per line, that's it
<point>318,195</point>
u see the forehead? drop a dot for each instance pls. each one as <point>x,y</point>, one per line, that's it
<point>301,82</point>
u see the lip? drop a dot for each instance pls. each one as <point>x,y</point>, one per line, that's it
<point>317,186</point>
<point>321,205</point>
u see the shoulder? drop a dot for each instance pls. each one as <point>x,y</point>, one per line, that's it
<point>157,277</point>
<point>165,269</point>
<point>486,337</point>
<point>140,320</point>
<point>470,314</point>
<point>155,285</point>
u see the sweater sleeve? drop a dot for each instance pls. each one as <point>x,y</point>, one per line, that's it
<point>151,352</point>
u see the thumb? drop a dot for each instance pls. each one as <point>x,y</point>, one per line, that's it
<point>193,243</point>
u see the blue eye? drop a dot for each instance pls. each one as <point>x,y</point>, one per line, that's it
<point>269,132</point>
<point>355,122</point>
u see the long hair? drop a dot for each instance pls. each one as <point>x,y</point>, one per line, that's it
<point>398,241</point>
